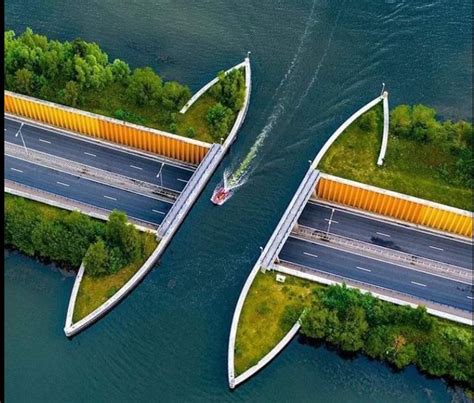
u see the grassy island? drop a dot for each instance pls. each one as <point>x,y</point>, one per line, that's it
<point>426,158</point>
<point>79,74</point>
<point>354,323</point>
<point>112,251</point>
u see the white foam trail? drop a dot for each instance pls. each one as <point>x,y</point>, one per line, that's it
<point>238,177</point>
<point>321,62</point>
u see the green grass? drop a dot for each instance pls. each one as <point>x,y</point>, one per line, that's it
<point>94,291</point>
<point>410,167</point>
<point>260,326</point>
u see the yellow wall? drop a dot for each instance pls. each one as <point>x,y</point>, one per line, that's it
<point>395,207</point>
<point>96,126</point>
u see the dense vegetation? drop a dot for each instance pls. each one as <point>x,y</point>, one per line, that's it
<point>353,322</point>
<point>79,74</point>
<point>400,335</point>
<point>68,238</point>
<point>426,157</point>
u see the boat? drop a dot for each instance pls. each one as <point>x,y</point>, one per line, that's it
<point>221,195</point>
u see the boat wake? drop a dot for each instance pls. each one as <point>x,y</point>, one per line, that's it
<point>234,178</point>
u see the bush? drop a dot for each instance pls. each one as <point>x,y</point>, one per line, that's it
<point>400,335</point>
<point>220,118</point>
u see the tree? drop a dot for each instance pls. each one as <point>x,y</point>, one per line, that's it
<point>120,71</point>
<point>24,81</point>
<point>71,93</point>
<point>220,118</point>
<point>145,87</point>
<point>123,236</point>
<point>96,259</point>
<point>230,89</point>
<point>175,95</point>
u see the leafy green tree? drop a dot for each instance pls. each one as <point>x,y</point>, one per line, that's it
<point>24,81</point>
<point>71,93</point>
<point>96,259</point>
<point>219,118</point>
<point>120,71</point>
<point>230,89</point>
<point>20,222</point>
<point>145,87</point>
<point>175,95</point>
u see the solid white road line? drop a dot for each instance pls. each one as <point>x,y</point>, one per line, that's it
<point>16,170</point>
<point>421,285</point>
<point>63,184</point>
<point>182,180</point>
<point>309,254</point>
<point>363,268</point>
<point>45,141</point>
<point>332,221</point>
<point>111,198</point>
<point>92,155</point>
<point>133,166</point>
<point>381,233</point>
<point>159,212</point>
<point>435,247</point>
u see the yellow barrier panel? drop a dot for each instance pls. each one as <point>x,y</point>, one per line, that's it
<point>395,205</point>
<point>90,124</point>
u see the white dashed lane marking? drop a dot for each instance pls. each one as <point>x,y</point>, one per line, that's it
<point>62,184</point>
<point>420,284</point>
<point>381,233</point>
<point>156,211</point>
<point>309,254</point>
<point>45,141</point>
<point>16,170</point>
<point>111,198</point>
<point>92,155</point>
<point>363,268</point>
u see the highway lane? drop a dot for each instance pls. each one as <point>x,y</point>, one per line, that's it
<point>86,191</point>
<point>370,271</point>
<point>97,155</point>
<point>389,235</point>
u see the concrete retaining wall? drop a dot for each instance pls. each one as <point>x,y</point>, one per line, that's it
<point>396,205</point>
<point>117,131</point>
<point>386,116</point>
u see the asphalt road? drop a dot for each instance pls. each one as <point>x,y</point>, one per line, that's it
<point>370,271</point>
<point>99,156</point>
<point>86,191</point>
<point>389,235</point>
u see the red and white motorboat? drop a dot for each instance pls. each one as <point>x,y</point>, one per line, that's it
<point>221,195</point>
